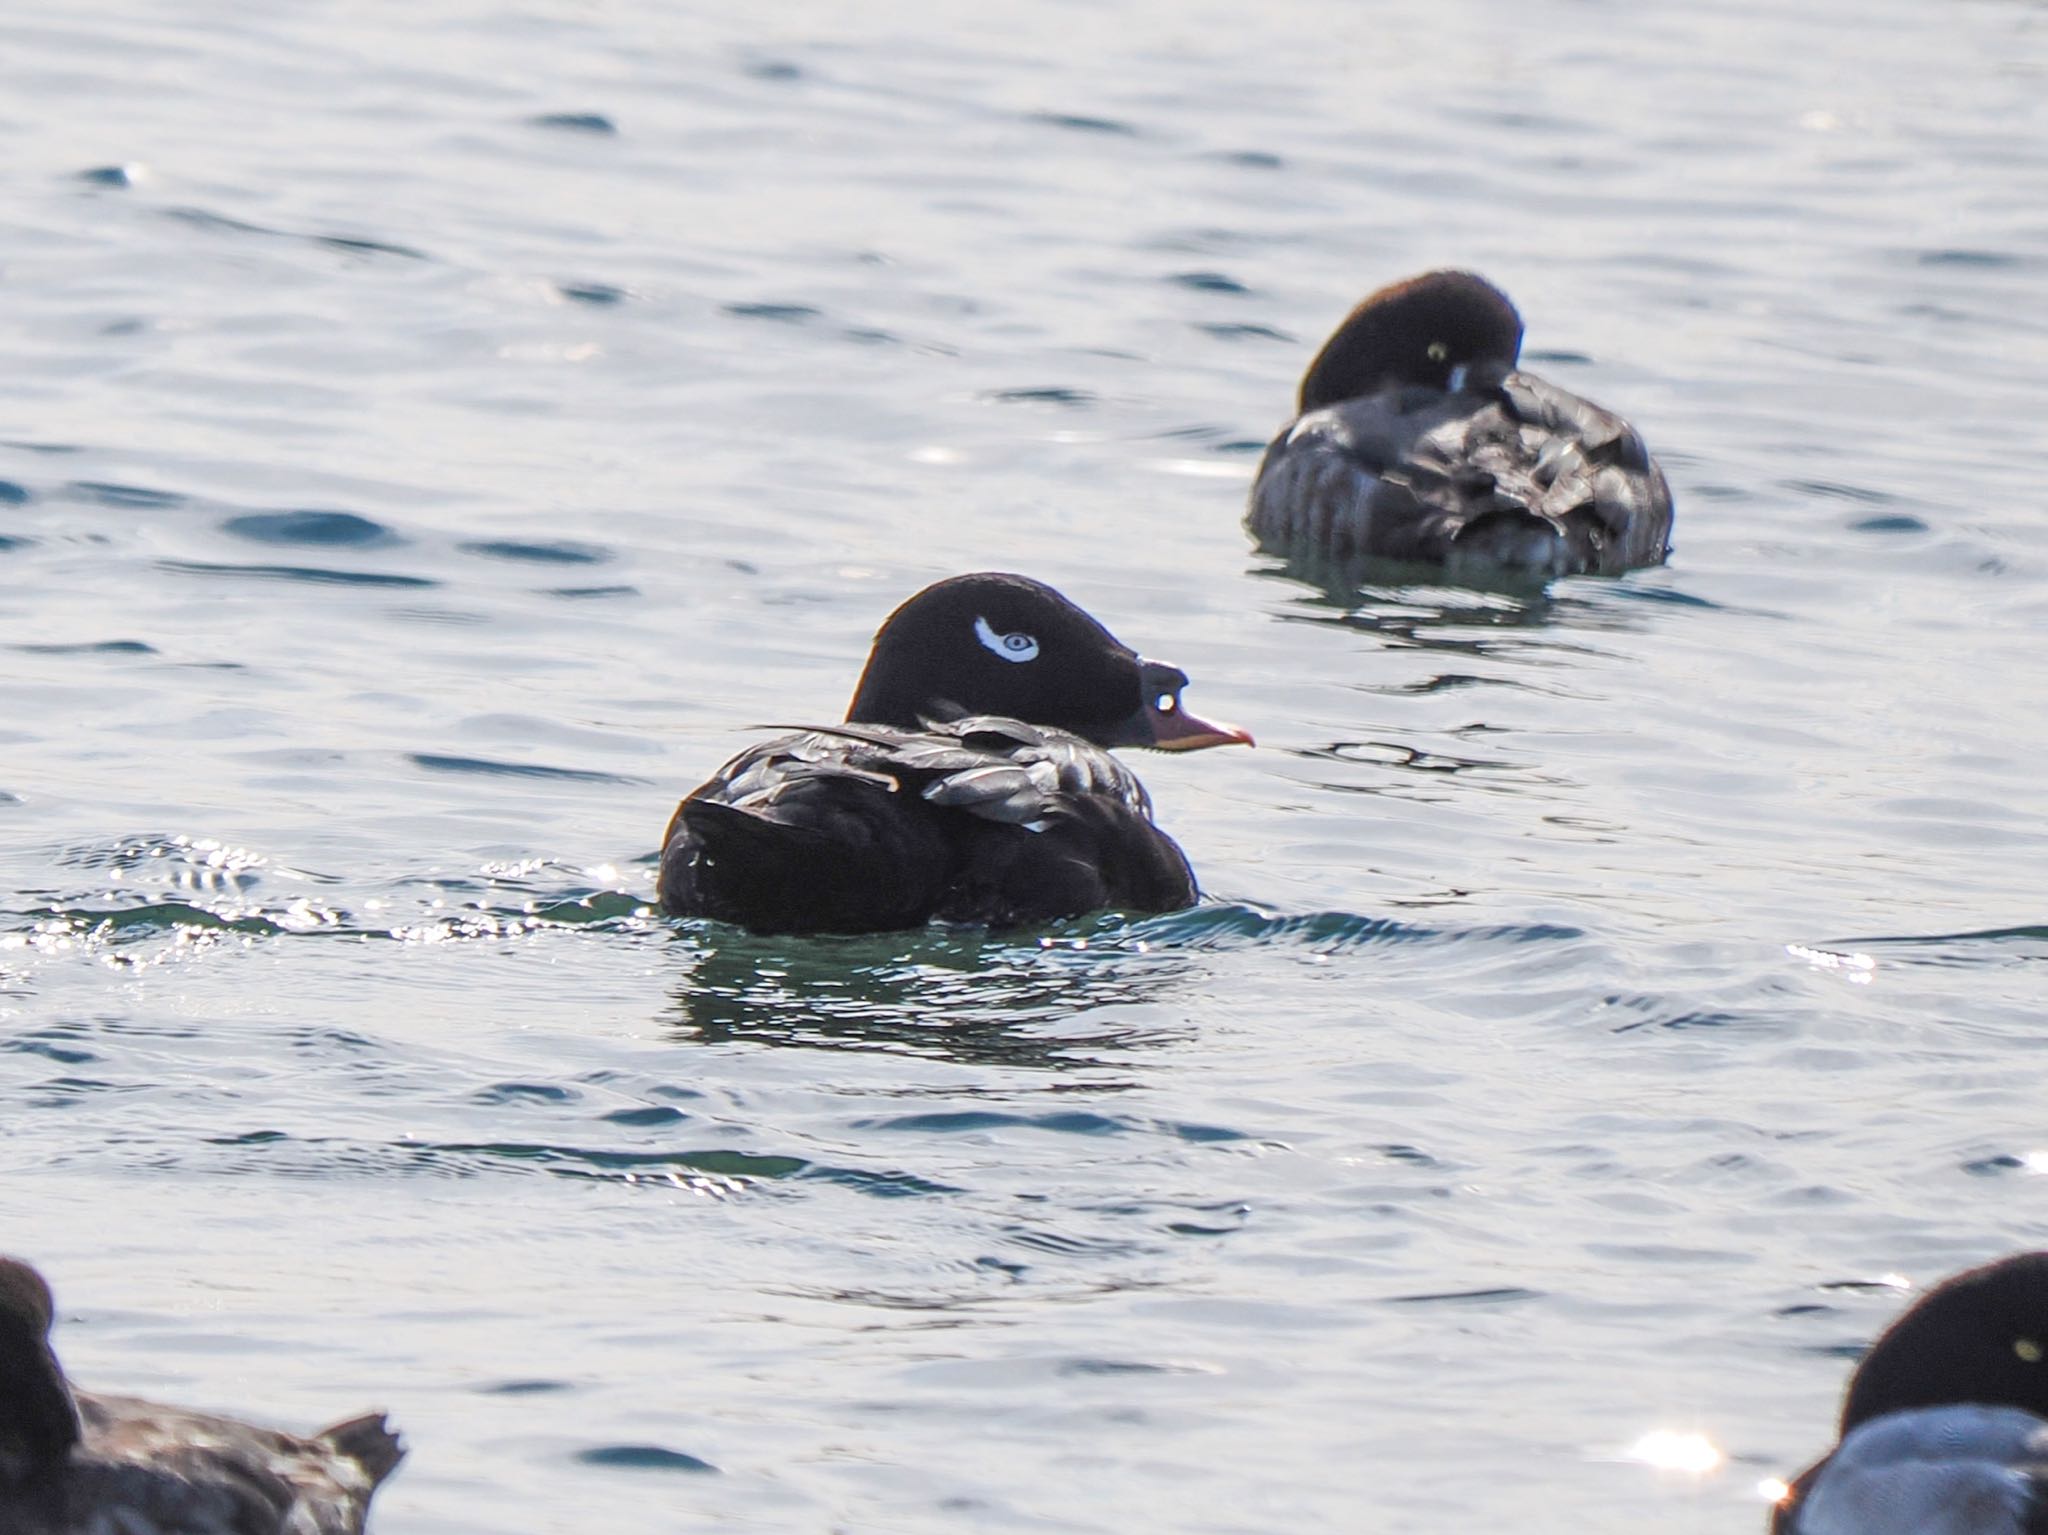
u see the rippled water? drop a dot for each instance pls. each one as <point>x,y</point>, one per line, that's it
<point>434,434</point>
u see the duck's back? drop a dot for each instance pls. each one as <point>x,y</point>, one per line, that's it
<point>146,1469</point>
<point>862,828</point>
<point>1512,473</point>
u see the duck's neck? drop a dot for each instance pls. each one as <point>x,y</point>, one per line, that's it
<point>38,1418</point>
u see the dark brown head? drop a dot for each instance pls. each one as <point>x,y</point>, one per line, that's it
<point>1008,645</point>
<point>38,1419</point>
<point>1431,331</point>
<point>1980,1336</point>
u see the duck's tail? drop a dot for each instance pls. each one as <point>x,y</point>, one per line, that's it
<point>369,1442</point>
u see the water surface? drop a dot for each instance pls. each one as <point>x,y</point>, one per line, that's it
<point>431,439</point>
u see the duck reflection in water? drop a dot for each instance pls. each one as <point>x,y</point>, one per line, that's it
<point>1081,995</point>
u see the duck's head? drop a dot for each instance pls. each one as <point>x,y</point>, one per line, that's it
<point>1431,331</point>
<point>38,1418</point>
<point>1008,645</point>
<point>1980,1336</point>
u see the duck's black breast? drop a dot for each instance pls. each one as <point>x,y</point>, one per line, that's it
<point>1509,473</point>
<point>866,828</point>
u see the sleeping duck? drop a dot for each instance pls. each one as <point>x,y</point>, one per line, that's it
<point>76,1463</point>
<point>1945,1425</point>
<point>1419,439</point>
<point>970,782</point>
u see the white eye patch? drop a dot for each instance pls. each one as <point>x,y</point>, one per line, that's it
<point>1011,647</point>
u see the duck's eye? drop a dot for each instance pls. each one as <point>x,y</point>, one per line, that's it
<point>1011,647</point>
<point>1438,351</point>
<point>2028,1349</point>
<point>1166,703</point>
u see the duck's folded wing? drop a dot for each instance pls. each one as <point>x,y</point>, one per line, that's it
<point>990,766</point>
<point>1557,412</point>
<point>1372,478</point>
<point>812,832</point>
<point>1066,765</point>
<point>1096,854</point>
<point>1589,471</point>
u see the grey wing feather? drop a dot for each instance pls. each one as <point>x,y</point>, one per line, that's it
<point>1000,791</point>
<point>986,765</point>
<point>1078,765</point>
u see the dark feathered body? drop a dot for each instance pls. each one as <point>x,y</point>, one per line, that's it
<point>1511,474</point>
<point>868,828</point>
<point>76,1463</point>
<point>1420,440</point>
<point>1953,1470</point>
<point>1944,1427</point>
<point>970,783</point>
<point>146,1469</point>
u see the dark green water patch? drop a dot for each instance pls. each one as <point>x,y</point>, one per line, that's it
<point>360,245</point>
<point>557,552</point>
<point>1247,159</point>
<point>598,293</point>
<point>1980,259</point>
<point>1243,331</point>
<point>645,1117</point>
<point>1073,399</point>
<point>155,917</point>
<point>1501,1295</point>
<point>56,1043</point>
<point>1079,122</point>
<point>1997,1165</point>
<point>575,122</point>
<point>643,1457</point>
<point>309,526</point>
<point>967,1120</point>
<point>2026,943</point>
<point>584,910</point>
<point>786,314</point>
<point>91,648</point>
<point>1208,282</point>
<point>1229,926</point>
<point>314,575</point>
<point>1121,1367</point>
<point>131,497</point>
<point>446,764</point>
<point>501,1094</point>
